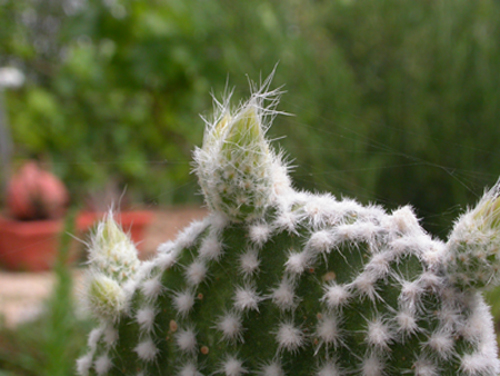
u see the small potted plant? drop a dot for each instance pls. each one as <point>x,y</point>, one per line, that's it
<point>36,202</point>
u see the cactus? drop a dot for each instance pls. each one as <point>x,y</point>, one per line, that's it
<point>279,282</point>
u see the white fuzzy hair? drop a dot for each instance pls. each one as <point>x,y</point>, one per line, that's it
<point>246,298</point>
<point>186,340</point>
<point>289,337</point>
<point>284,295</point>
<point>231,327</point>
<point>183,302</point>
<point>102,365</point>
<point>249,263</point>
<point>146,350</point>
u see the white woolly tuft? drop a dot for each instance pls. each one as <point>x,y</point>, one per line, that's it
<point>359,231</point>
<point>431,280</point>
<point>187,237</point>
<point>287,221</point>
<point>346,232</point>
<point>423,367</point>
<point>152,288</point>
<point>379,264</point>
<point>102,365</point>
<point>434,255</point>
<point>284,296</point>
<point>321,241</point>
<point>379,334</point>
<point>322,210</point>
<point>336,296</point>
<point>372,366</point>
<point>259,233</point>
<point>442,343</point>
<point>329,369</point>
<point>407,324</point>
<point>328,331</point>
<point>249,263</point>
<point>130,286</point>
<point>165,260</point>
<point>110,335</point>
<point>166,248</point>
<point>94,337</point>
<point>349,209</point>
<point>183,302</point>
<point>271,369</point>
<point>404,221</point>
<point>246,298</point>
<point>233,367</point>
<point>480,364</point>
<point>365,284</point>
<point>83,365</point>
<point>211,248</point>
<point>411,293</point>
<point>297,262</point>
<point>218,221</point>
<point>478,326</point>
<point>186,340</point>
<point>231,327</point>
<point>484,361</point>
<point>145,270</point>
<point>189,369</point>
<point>146,350</point>
<point>289,337</point>
<point>196,272</point>
<point>145,318</point>
<point>414,244</point>
<point>448,316</point>
<point>282,184</point>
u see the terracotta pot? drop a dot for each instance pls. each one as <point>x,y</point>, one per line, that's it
<point>29,245</point>
<point>134,222</point>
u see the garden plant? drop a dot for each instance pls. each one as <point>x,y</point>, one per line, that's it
<point>277,281</point>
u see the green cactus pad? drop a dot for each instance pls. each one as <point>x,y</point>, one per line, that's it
<point>294,284</point>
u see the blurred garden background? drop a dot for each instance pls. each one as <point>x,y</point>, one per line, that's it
<point>393,102</point>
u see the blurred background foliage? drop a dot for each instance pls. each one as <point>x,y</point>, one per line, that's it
<point>394,101</point>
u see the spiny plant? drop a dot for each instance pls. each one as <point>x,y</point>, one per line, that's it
<point>279,282</point>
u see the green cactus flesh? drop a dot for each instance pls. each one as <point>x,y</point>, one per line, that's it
<point>304,285</point>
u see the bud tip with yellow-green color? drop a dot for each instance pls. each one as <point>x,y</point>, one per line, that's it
<point>473,256</point>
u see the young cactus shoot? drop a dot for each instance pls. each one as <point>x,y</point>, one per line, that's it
<point>277,282</point>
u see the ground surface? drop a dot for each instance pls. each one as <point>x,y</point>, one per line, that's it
<point>22,293</point>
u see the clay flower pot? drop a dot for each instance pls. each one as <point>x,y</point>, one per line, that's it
<point>36,202</point>
<point>29,245</point>
<point>133,222</point>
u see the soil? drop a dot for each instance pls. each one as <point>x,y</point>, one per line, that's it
<point>22,294</point>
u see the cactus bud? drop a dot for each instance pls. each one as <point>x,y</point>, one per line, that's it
<point>105,297</point>
<point>474,245</point>
<point>235,166</point>
<point>112,251</point>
